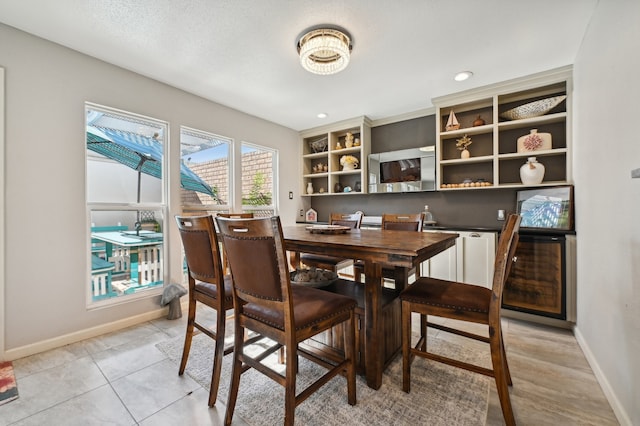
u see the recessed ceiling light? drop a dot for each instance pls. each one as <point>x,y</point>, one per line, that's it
<point>322,115</point>
<point>462,76</point>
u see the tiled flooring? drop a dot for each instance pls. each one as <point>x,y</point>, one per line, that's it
<point>123,379</point>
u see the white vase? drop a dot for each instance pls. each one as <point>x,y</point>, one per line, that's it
<point>534,141</point>
<point>465,153</point>
<point>310,188</point>
<point>349,166</point>
<point>532,172</point>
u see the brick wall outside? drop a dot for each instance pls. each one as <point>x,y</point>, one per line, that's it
<point>215,173</point>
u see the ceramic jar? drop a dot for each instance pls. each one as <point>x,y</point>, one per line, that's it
<point>534,141</point>
<point>310,188</point>
<point>465,153</point>
<point>532,172</point>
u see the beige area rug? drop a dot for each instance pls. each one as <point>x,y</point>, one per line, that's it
<point>440,395</point>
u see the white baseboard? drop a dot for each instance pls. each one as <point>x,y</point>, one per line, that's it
<point>77,336</point>
<point>617,408</point>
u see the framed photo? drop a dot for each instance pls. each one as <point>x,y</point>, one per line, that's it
<point>550,208</point>
<point>311,216</point>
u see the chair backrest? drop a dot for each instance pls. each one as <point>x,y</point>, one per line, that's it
<point>504,258</point>
<point>235,215</point>
<point>201,249</point>
<point>403,222</point>
<point>257,258</point>
<point>352,220</point>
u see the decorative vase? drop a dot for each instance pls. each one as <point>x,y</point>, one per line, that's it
<point>534,141</point>
<point>337,187</point>
<point>310,188</point>
<point>465,153</point>
<point>478,122</point>
<point>532,172</point>
<point>348,142</point>
<point>349,166</point>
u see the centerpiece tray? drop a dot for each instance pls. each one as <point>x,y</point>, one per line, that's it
<point>316,278</point>
<point>328,229</point>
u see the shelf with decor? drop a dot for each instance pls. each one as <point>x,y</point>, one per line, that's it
<point>334,157</point>
<point>506,124</point>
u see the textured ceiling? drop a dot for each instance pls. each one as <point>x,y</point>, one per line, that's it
<point>242,53</point>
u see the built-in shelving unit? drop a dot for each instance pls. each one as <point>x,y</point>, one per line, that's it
<point>323,169</point>
<point>495,161</point>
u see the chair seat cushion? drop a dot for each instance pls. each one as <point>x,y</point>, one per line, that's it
<point>211,290</point>
<point>310,306</point>
<point>448,295</point>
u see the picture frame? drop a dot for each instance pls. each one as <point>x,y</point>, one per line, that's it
<point>311,216</point>
<point>546,208</point>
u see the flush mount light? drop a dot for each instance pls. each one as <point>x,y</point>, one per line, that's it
<point>324,51</point>
<point>462,76</point>
<point>322,115</point>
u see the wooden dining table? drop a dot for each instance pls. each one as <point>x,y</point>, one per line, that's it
<point>402,250</point>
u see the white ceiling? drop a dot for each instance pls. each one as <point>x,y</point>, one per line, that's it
<point>242,53</point>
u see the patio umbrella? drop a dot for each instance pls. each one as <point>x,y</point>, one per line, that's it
<point>140,153</point>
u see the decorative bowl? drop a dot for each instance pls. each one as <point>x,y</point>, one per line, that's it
<point>313,277</point>
<point>533,109</point>
<point>319,145</point>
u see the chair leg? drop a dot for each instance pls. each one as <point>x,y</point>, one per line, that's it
<point>236,371</point>
<point>406,346</point>
<point>191,318</point>
<point>217,357</point>
<point>499,363</point>
<point>506,364</point>
<point>423,332</point>
<point>349,345</point>
<point>290,384</point>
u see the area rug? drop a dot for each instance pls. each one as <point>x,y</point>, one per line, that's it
<point>8,385</point>
<point>440,394</point>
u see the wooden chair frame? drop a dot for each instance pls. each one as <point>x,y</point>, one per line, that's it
<point>464,302</point>
<point>264,303</point>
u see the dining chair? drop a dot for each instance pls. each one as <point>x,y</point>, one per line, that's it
<point>394,222</point>
<point>267,303</point>
<point>236,215</point>
<point>468,303</point>
<point>332,263</point>
<point>207,285</point>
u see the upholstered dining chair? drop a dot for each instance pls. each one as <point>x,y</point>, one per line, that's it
<point>394,222</point>
<point>332,263</point>
<point>266,302</point>
<point>463,302</point>
<point>207,285</point>
<point>235,215</point>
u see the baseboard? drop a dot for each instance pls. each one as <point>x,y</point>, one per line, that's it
<point>538,319</point>
<point>617,408</point>
<point>77,336</point>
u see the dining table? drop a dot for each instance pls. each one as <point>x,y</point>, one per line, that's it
<point>401,250</point>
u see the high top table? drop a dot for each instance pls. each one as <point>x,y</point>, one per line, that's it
<point>400,249</point>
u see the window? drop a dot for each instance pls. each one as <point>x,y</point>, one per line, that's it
<point>207,156</point>
<point>126,195</point>
<point>259,179</point>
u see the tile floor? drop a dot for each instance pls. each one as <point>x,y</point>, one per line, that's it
<point>121,378</point>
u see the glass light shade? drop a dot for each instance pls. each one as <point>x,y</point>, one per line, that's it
<point>324,51</point>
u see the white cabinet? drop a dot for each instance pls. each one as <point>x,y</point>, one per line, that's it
<point>469,261</point>
<point>323,148</point>
<point>443,265</point>
<point>476,254</point>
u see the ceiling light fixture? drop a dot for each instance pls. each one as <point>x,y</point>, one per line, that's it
<point>324,51</point>
<point>322,115</point>
<point>462,76</point>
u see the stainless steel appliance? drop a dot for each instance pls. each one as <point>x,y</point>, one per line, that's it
<point>406,170</point>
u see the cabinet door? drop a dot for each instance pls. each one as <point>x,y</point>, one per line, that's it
<point>442,266</point>
<point>476,253</point>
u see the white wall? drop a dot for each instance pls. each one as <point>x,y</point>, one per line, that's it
<point>46,244</point>
<point>606,148</point>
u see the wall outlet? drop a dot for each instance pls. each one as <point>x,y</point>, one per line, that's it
<point>301,212</point>
<point>500,214</point>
